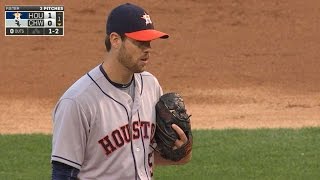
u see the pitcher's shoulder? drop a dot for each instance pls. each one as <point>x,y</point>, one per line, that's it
<point>84,86</point>
<point>149,77</point>
<point>146,73</point>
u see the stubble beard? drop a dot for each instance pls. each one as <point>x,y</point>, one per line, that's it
<point>127,61</point>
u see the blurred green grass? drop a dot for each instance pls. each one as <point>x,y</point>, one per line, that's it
<point>251,154</point>
<point>25,156</point>
<point>217,154</point>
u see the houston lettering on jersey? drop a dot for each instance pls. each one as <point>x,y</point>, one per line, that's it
<point>119,137</point>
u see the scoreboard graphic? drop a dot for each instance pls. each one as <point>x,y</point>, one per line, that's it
<point>34,20</point>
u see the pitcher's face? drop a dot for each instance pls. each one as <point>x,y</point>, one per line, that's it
<point>134,54</point>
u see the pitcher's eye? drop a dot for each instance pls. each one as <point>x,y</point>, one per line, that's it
<point>143,44</point>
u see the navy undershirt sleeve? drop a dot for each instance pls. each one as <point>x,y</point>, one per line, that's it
<point>61,171</point>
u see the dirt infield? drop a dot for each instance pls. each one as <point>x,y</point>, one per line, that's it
<point>243,64</point>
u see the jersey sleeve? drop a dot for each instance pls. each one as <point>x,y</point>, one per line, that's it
<point>70,132</point>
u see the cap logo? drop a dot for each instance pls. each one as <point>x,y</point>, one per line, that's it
<point>147,18</point>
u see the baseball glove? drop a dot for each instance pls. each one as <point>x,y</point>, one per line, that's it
<point>170,109</point>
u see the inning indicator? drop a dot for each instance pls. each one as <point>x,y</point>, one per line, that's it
<point>34,20</point>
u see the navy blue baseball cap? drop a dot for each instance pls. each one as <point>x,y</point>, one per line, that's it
<point>134,22</point>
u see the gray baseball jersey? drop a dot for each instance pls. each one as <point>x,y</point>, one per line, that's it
<point>102,131</point>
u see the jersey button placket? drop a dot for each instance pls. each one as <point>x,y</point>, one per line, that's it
<point>138,149</point>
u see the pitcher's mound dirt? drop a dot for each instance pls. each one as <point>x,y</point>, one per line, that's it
<point>243,64</point>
